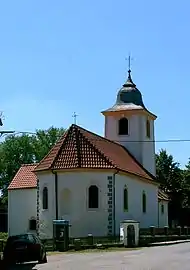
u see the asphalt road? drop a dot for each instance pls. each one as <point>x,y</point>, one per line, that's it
<point>175,257</point>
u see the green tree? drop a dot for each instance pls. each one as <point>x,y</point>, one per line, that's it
<point>186,179</point>
<point>44,140</point>
<point>14,151</point>
<point>171,180</point>
<point>24,149</point>
<point>168,172</point>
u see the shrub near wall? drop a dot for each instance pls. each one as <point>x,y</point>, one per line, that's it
<point>146,240</point>
<point>153,235</point>
<point>3,236</point>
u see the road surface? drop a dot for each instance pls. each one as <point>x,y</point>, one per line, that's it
<point>175,257</point>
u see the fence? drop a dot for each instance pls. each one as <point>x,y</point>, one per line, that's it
<point>147,236</point>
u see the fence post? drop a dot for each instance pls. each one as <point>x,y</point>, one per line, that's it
<point>90,240</point>
<point>179,230</point>
<point>152,230</point>
<point>185,230</point>
<point>166,230</point>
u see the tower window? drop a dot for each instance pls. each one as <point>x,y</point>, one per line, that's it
<point>93,197</point>
<point>148,128</point>
<point>123,126</point>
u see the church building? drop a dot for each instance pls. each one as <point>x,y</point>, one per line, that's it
<point>94,182</point>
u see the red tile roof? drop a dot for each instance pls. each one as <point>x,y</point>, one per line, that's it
<point>80,148</point>
<point>162,196</point>
<point>24,178</point>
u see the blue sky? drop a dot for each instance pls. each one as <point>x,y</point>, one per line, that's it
<point>57,57</point>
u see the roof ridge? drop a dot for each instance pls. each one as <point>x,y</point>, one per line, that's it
<point>97,135</point>
<point>98,151</point>
<point>62,138</point>
<point>78,134</point>
<point>29,164</point>
<point>103,138</point>
<point>69,130</point>
<point>131,155</point>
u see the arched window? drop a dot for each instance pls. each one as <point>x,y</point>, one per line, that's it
<point>93,197</point>
<point>144,202</point>
<point>162,208</point>
<point>45,198</point>
<point>125,199</point>
<point>148,128</point>
<point>123,126</point>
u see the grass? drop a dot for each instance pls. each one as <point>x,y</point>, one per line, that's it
<point>111,249</point>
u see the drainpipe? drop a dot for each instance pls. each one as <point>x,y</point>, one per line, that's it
<point>114,219</point>
<point>56,195</point>
<point>158,214</point>
<point>38,208</point>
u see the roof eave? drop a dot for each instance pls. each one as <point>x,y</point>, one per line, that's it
<point>107,112</point>
<point>21,188</point>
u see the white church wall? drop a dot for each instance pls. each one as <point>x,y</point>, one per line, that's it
<point>73,202</point>
<point>21,208</point>
<point>111,133</point>
<point>46,216</point>
<point>142,147</point>
<point>135,189</point>
<point>148,147</point>
<point>163,215</point>
<point>83,220</point>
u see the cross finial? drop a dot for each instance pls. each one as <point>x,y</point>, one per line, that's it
<point>75,117</point>
<point>129,59</point>
<point>129,79</point>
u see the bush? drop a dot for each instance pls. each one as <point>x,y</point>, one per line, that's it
<point>146,240</point>
<point>3,236</point>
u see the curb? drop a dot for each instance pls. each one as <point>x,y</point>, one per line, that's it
<point>168,243</point>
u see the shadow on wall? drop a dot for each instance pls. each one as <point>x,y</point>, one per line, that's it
<point>27,266</point>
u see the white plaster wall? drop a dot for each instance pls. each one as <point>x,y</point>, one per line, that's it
<point>163,217</point>
<point>148,147</point>
<point>21,208</point>
<point>46,217</point>
<point>135,189</point>
<point>136,142</point>
<point>111,132</point>
<point>84,220</point>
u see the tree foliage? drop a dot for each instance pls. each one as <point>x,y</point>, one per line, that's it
<point>175,182</point>
<point>24,149</point>
<point>168,172</point>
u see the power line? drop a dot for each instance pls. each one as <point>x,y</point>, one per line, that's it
<point>119,141</point>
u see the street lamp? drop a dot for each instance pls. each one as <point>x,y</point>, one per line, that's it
<point>4,132</point>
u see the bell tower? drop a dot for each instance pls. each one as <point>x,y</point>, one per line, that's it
<point>129,123</point>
